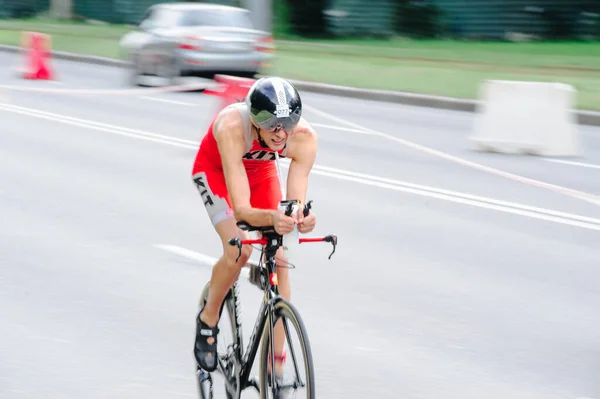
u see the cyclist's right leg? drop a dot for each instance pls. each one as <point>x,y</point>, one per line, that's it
<point>224,272</point>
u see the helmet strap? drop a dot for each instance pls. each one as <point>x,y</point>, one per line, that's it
<point>262,143</point>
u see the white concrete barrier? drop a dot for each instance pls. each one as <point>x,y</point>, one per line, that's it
<point>526,118</point>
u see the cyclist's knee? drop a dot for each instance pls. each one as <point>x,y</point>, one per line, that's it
<point>227,229</point>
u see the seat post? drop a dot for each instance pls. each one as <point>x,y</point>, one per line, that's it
<point>274,241</point>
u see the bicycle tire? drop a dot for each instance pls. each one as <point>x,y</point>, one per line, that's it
<point>290,312</point>
<point>205,381</point>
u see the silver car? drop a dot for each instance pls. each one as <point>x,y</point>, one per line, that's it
<point>195,39</point>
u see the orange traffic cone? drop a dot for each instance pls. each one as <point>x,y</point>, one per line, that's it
<point>37,56</point>
<point>233,89</point>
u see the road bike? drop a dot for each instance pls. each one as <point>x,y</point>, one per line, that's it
<point>235,364</point>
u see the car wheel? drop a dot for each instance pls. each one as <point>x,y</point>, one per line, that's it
<point>170,71</point>
<point>134,71</point>
<point>249,75</point>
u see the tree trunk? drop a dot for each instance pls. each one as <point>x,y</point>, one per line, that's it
<point>61,9</point>
<point>261,13</point>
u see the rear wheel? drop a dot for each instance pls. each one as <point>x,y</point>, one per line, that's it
<point>225,351</point>
<point>286,313</point>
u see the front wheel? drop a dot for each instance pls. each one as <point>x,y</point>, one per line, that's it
<point>285,314</point>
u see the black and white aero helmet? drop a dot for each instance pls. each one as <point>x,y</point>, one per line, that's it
<point>274,103</point>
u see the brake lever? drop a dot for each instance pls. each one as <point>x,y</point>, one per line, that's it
<point>332,238</point>
<point>289,209</point>
<point>237,242</point>
<point>307,208</point>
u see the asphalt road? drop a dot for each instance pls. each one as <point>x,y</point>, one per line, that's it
<point>431,294</point>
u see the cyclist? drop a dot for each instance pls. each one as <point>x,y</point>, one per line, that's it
<point>236,175</point>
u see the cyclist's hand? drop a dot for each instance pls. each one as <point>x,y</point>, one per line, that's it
<point>306,224</point>
<point>283,224</point>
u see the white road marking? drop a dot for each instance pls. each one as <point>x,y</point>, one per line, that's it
<point>466,199</point>
<point>195,256</point>
<point>103,127</point>
<point>111,92</point>
<point>563,190</point>
<point>345,129</point>
<point>186,253</point>
<point>573,163</point>
<point>164,100</point>
<point>521,210</point>
<point>456,194</point>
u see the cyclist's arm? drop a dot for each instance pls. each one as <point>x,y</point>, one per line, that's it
<point>230,139</point>
<point>302,151</point>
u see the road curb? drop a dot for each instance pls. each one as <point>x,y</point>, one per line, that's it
<point>63,55</point>
<point>589,118</point>
<point>420,100</point>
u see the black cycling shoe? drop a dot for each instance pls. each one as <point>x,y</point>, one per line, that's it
<point>205,353</point>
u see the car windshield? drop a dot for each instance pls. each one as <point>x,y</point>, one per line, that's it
<point>230,18</point>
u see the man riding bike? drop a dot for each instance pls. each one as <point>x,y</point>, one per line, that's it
<point>236,175</point>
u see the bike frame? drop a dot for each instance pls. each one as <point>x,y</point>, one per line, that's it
<point>270,241</point>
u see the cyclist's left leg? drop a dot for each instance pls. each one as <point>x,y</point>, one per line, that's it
<point>266,194</point>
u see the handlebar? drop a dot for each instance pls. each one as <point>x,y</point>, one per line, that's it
<point>271,234</point>
<point>332,238</point>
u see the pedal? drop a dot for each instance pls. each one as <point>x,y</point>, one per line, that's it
<point>253,382</point>
<point>203,377</point>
